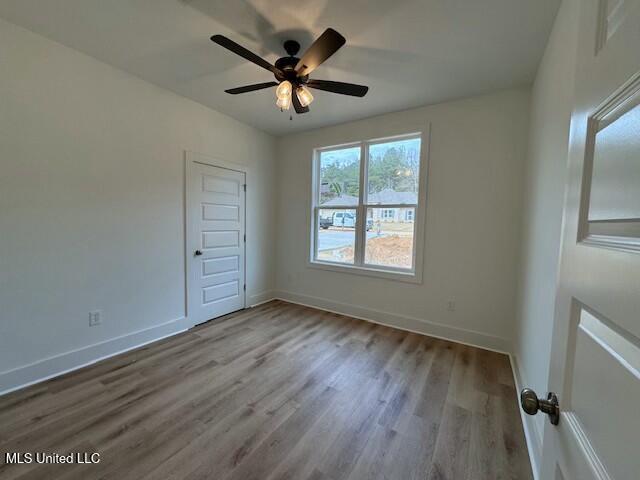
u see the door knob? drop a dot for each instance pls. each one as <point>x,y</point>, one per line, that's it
<point>531,404</point>
<point>197,253</point>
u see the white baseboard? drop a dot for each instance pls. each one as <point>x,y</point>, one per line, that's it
<point>534,441</point>
<point>66,362</point>
<point>403,322</point>
<point>260,298</point>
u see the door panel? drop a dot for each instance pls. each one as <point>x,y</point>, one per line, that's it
<point>220,212</point>
<point>596,344</point>
<point>615,182</point>
<point>220,185</point>
<point>220,265</point>
<point>215,241</point>
<point>604,380</point>
<point>612,173</point>
<point>220,291</point>
<point>221,239</point>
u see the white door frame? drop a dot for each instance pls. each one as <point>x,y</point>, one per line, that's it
<point>189,159</point>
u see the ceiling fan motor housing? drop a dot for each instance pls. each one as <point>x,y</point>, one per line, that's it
<point>287,66</point>
<point>291,47</point>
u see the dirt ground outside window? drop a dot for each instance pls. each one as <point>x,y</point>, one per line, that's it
<point>392,249</point>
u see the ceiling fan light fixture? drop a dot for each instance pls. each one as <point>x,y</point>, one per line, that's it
<point>284,102</point>
<point>284,89</point>
<point>304,95</point>
<point>292,73</point>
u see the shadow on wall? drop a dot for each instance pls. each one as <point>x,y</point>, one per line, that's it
<point>247,21</point>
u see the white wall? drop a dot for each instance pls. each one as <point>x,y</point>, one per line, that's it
<point>545,177</point>
<point>91,204</point>
<point>477,153</point>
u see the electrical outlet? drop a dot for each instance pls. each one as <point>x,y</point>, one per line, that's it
<point>451,306</point>
<point>95,318</point>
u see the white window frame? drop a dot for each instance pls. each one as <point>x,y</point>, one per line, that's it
<point>413,275</point>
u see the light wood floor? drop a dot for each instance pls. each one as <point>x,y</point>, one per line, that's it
<point>277,392</point>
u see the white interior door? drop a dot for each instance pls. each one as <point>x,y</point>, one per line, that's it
<point>595,364</point>
<point>215,241</point>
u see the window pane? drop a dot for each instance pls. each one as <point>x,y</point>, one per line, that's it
<point>336,235</point>
<point>340,176</point>
<point>390,237</point>
<point>393,172</point>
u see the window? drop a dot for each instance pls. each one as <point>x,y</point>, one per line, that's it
<point>365,203</point>
<point>388,214</point>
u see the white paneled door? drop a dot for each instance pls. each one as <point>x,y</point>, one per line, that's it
<point>595,364</point>
<point>215,241</point>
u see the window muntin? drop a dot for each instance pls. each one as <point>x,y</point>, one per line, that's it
<point>365,204</point>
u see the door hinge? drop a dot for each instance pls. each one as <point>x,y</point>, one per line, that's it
<point>245,287</point>
<point>245,238</point>
<point>244,185</point>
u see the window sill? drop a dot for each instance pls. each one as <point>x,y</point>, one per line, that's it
<point>399,276</point>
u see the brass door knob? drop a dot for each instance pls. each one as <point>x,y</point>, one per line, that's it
<point>531,404</point>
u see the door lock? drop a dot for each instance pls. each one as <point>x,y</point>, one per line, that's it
<point>197,253</point>
<point>531,404</point>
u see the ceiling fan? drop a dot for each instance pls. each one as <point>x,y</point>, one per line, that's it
<point>292,73</point>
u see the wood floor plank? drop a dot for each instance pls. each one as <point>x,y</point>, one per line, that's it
<point>276,446</point>
<point>277,392</point>
<point>437,385</point>
<point>517,459</point>
<point>486,452</point>
<point>341,457</point>
<point>450,459</point>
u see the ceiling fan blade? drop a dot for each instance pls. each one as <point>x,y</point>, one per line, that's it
<point>251,88</point>
<point>244,53</point>
<point>326,45</point>
<point>297,106</point>
<point>339,87</point>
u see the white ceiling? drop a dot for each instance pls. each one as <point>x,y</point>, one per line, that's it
<point>409,52</point>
